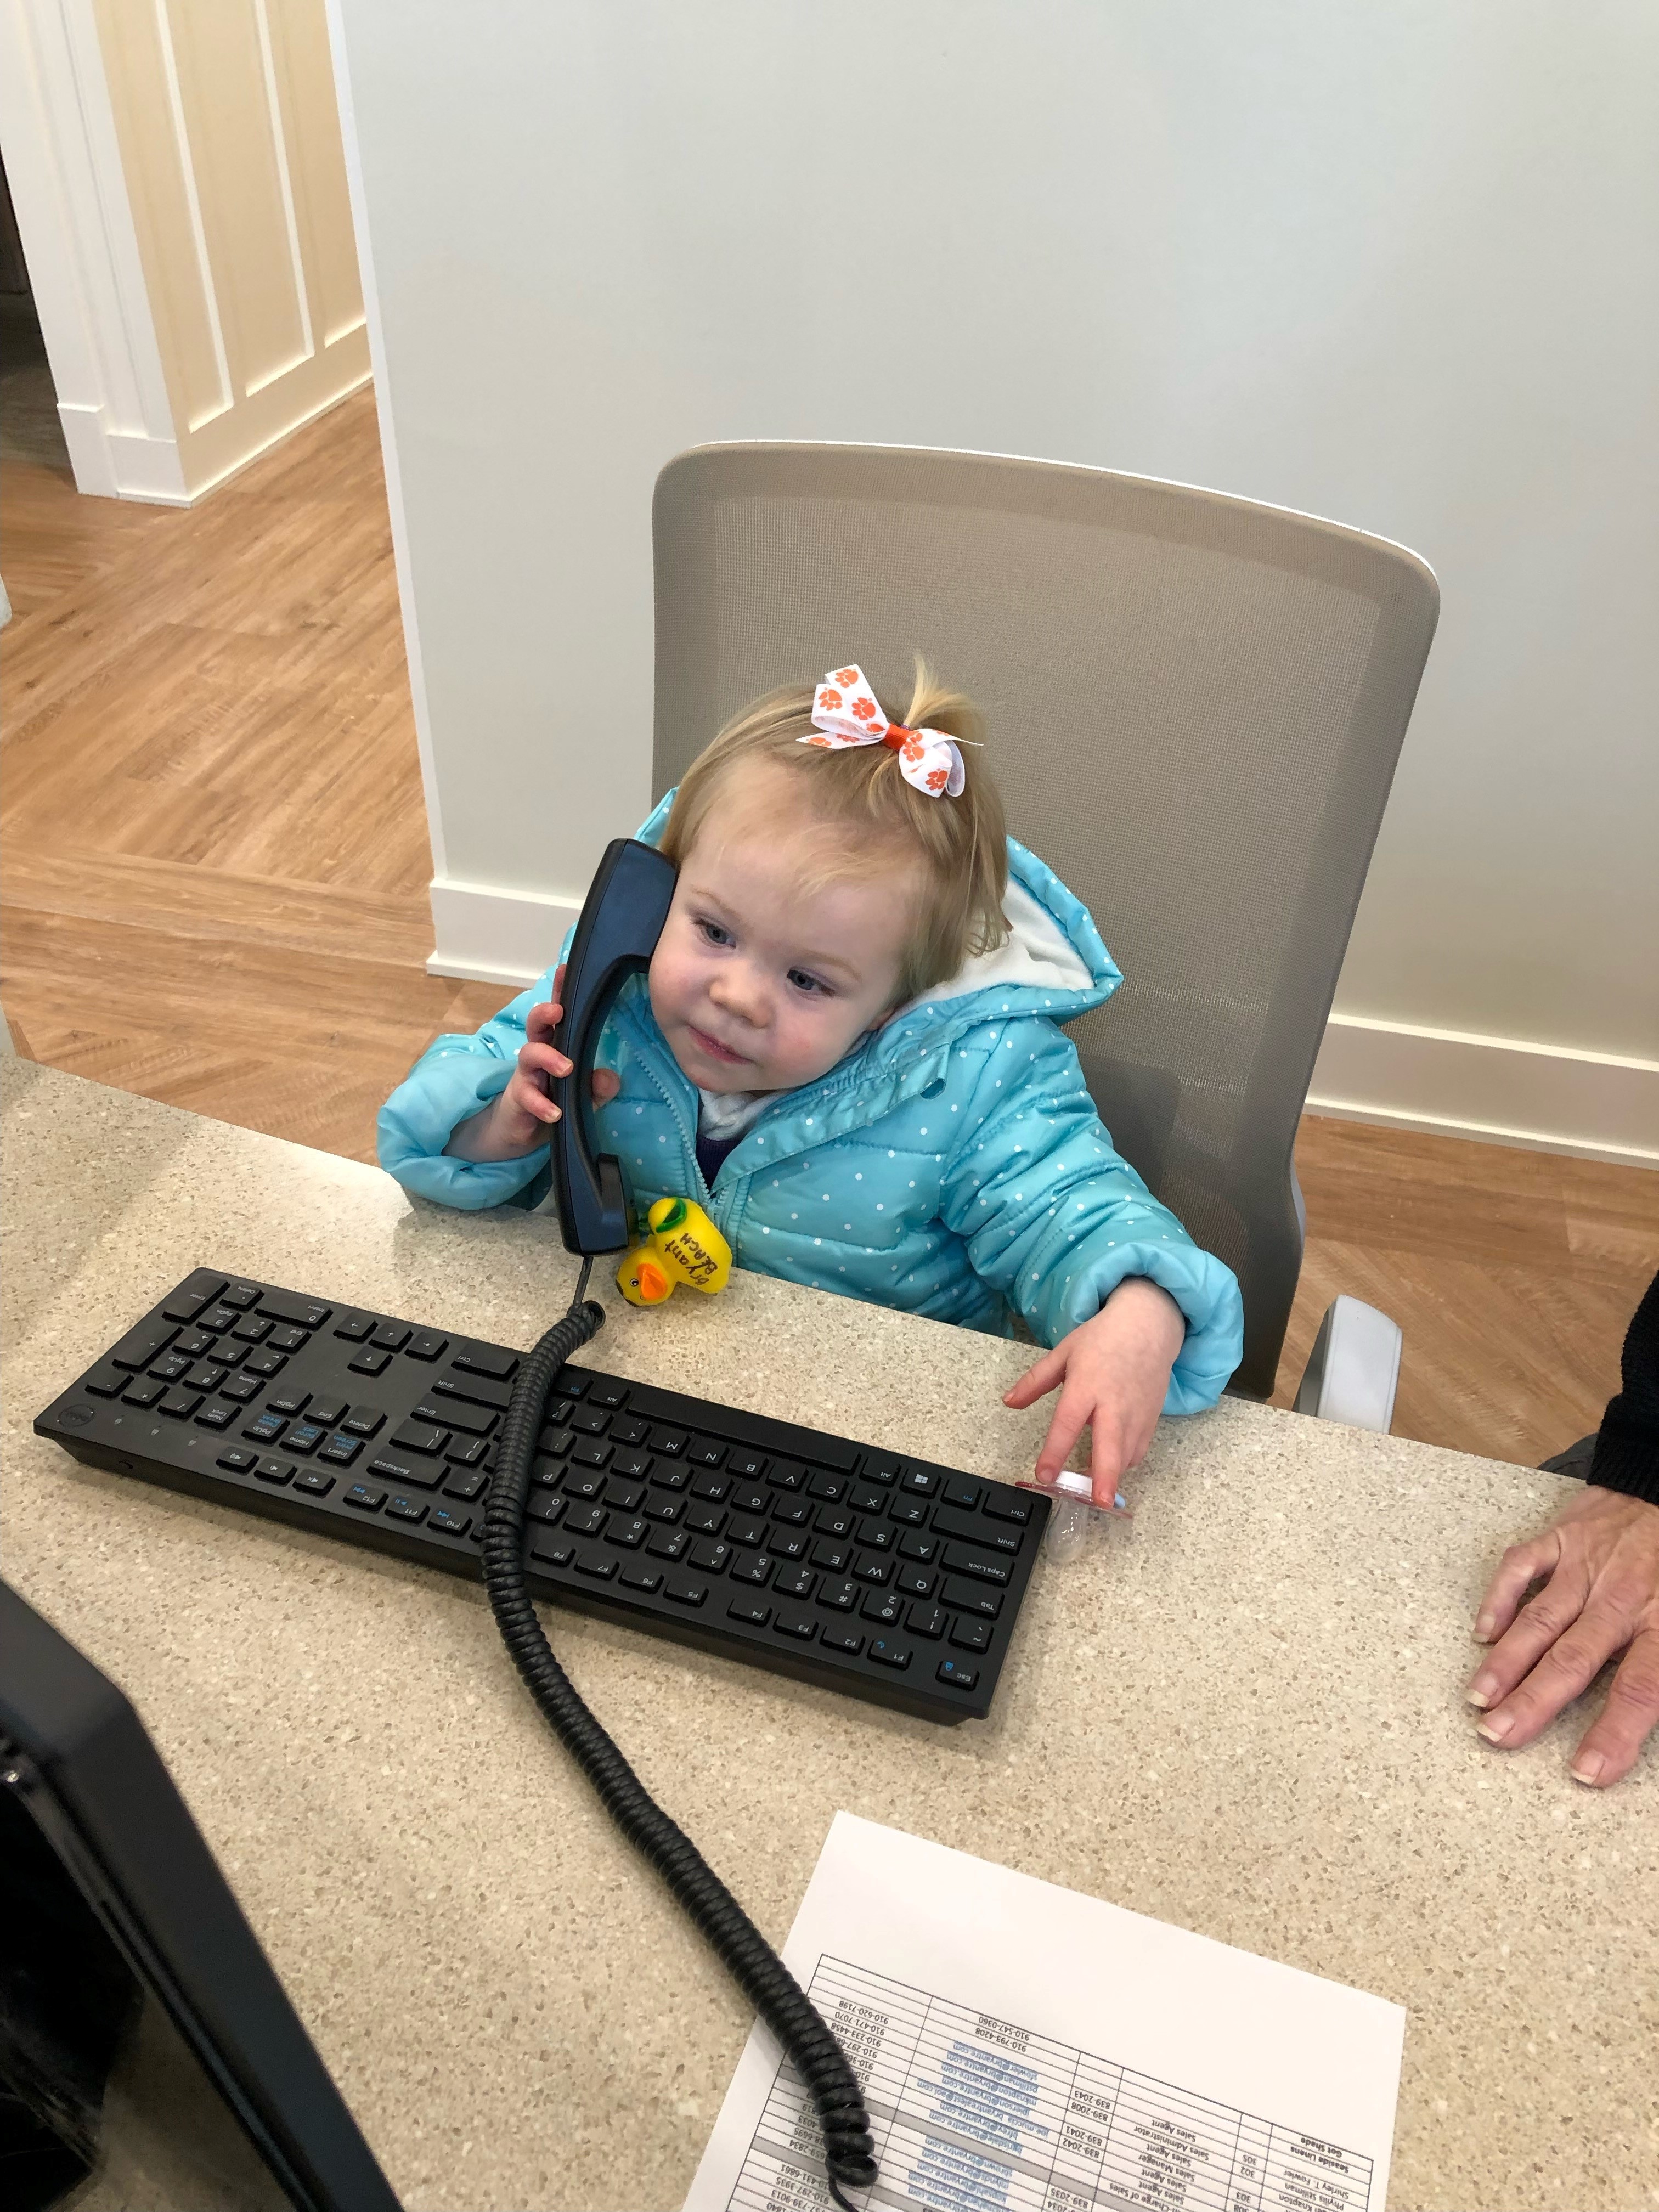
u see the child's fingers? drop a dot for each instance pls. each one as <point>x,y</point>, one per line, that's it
<point>1522,1565</point>
<point>1071,1416</point>
<point>1613,1743</point>
<point>1038,1381</point>
<point>536,1060</point>
<point>606,1083</point>
<point>540,1022</point>
<point>525,1094</point>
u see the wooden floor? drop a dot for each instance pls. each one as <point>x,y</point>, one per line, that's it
<point>215,868</point>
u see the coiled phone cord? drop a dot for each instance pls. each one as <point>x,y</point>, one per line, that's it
<point>743,1950</point>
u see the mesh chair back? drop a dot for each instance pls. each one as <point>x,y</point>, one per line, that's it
<point>1195,704</point>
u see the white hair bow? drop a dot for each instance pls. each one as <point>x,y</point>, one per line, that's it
<point>846,712</point>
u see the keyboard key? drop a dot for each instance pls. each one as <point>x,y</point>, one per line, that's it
<point>834,1521</point>
<point>586,1520</point>
<point>251,1329</point>
<point>848,1640</point>
<point>1007,1505</point>
<point>605,1390</point>
<point>547,1473</point>
<point>960,1491</point>
<point>632,1466</point>
<point>191,1295</point>
<point>203,1376</point>
<point>789,1543</point>
<point>314,1480</point>
<point>587,1453</point>
<point>684,1589</point>
<point>962,1561</point>
<point>919,1482</point>
<point>305,1436</point>
<point>746,1530</point>
<point>880,1468</point>
<point>658,1507</point>
<point>971,1597</point>
<point>106,1381</point>
<point>418,1437</point>
<point>745,1499</point>
<point>626,1497</point>
<point>877,1535</point>
<point>142,1394</point>
<point>217,1416</point>
<point>169,1367</point>
<point>885,1606</point>
<point>405,1470</point>
<point>927,1621</point>
<point>552,1551</point>
<point>749,1464</point>
<point>711,1486</point>
<point>426,1347</point>
<point>705,1520</point>
<point>713,1558</point>
<point>266,1429</point>
<point>584,1482</point>
<point>665,1474</point>
<point>838,1597</point>
<point>572,1383</point>
<point>405,1508</point>
<point>752,1567</point>
<point>139,1346</point>
<point>886,1653</point>
<point>910,1512</point>
<point>668,1544</point>
<point>266,1363</point>
<point>181,1404</point>
<point>914,1581</point>
<point>789,1621</point>
<point>787,1475</point>
<point>920,1548</point>
<point>479,1390</point>
<point>826,1552</point>
<point>703,1451</point>
<point>635,1575</point>
<point>830,1488</point>
<point>555,1442</point>
<point>238,1461</point>
<point>274,1470</point>
<point>288,1401</point>
<point>362,1421</point>
<point>500,1366</point>
<point>340,1450</point>
<point>796,1582</point>
<point>222,1318</point>
<point>792,1512</point>
<point>592,1421</point>
<point>958,1676</point>
<point>863,1499</point>
<point>193,1343</point>
<point>365,1497</point>
<point>370,1362</point>
<point>242,1296</point>
<point>391,1336</point>
<point>994,1536</point>
<point>627,1534</point>
<point>328,1412</point>
<point>473,1420</point>
<point>354,1327</point>
<point>464,1487</point>
<point>288,1339</point>
<point>299,1312</point>
<point>447,1524</point>
<point>241,1388</point>
<point>599,1566</point>
<point>870,1569</point>
<point>463,1452</point>
<point>972,1635</point>
<point>750,1610</point>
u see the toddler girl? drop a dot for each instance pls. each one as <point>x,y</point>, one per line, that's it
<point>847,1050</point>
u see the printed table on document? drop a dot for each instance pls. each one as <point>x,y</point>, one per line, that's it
<point>973,2114</point>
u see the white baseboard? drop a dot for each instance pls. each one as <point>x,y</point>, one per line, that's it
<point>121,464</point>
<point>488,936</point>
<point>1501,1090</point>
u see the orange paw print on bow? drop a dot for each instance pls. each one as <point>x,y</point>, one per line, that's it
<point>845,677</point>
<point>865,710</point>
<point>829,699</point>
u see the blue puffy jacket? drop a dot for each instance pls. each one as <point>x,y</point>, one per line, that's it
<point>952,1165</point>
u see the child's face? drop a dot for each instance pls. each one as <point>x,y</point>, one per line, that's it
<point>757,984</point>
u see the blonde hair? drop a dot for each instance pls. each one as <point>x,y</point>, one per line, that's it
<point>961,843</point>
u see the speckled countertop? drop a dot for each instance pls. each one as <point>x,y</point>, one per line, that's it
<point>1243,1715</point>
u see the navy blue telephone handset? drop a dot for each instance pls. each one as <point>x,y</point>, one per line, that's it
<point>622,919</point>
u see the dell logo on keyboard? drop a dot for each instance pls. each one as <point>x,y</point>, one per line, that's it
<point>79,1415</point>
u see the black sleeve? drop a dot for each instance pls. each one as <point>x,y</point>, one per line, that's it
<point>1627,1450</point>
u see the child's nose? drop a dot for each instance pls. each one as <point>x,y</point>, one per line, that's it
<point>737,990</point>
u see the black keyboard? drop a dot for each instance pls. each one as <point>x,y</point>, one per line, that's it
<point>891,1579</point>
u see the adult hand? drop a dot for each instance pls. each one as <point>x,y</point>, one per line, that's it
<point>1598,1565</point>
<point>517,1121</point>
<point>1115,1370</point>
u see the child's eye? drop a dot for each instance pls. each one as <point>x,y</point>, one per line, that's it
<point>803,982</point>
<point>715,935</point>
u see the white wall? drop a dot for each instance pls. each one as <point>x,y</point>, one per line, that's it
<point>1394,265</point>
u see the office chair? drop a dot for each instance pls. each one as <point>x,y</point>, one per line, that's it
<point>1196,703</point>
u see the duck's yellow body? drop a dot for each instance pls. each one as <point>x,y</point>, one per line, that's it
<point>683,1247</point>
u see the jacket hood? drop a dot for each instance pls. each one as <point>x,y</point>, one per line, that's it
<point>1054,964</point>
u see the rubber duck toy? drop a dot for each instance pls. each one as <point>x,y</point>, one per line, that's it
<point>683,1247</point>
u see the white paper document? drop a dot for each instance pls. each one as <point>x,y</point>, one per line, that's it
<point>1023,2048</point>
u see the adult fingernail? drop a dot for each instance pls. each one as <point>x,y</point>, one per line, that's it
<point>1589,1766</point>
<point>1497,1728</point>
<point>1484,1624</point>
<point>1480,1692</point>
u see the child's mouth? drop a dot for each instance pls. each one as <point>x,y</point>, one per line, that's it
<point>714,1048</point>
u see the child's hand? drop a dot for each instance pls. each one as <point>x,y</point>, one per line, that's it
<point>1116,1369</point>
<point>517,1121</point>
<point>1598,1565</point>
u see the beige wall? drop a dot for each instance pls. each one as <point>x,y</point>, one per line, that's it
<point>229,138</point>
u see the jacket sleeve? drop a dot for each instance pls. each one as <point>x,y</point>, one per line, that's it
<point>1055,1220</point>
<point>454,1077</point>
